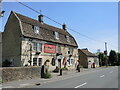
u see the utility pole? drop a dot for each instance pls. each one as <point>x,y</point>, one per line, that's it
<point>105,52</point>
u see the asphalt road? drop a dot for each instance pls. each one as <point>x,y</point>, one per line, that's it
<point>98,78</point>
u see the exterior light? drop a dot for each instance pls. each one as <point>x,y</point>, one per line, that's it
<point>2,13</point>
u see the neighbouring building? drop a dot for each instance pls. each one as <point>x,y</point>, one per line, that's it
<point>87,59</point>
<point>31,42</point>
<point>0,49</point>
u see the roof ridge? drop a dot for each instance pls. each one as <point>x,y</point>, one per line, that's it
<point>38,21</point>
<point>29,33</point>
<point>85,52</point>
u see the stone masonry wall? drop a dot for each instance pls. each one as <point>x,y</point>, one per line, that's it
<point>19,73</point>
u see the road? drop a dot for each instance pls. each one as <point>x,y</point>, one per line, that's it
<point>98,78</point>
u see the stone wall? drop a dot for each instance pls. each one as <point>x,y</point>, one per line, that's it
<point>25,54</point>
<point>19,73</point>
<point>0,49</point>
<point>83,59</point>
<point>11,38</point>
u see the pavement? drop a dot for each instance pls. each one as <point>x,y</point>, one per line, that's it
<point>58,81</point>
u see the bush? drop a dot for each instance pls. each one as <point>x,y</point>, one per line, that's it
<point>64,68</point>
<point>6,63</point>
<point>48,75</point>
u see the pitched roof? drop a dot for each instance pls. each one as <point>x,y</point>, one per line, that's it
<point>85,51</point>
<point>46,31</point>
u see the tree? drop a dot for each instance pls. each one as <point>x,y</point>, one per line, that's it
<point>112,58</point>
<point>101,59</point>
<point>118,58</point>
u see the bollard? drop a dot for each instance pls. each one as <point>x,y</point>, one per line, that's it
<point>60,72</point>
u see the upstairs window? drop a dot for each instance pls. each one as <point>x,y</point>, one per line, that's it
<point>35,46</point>
<point>68,38</point>
<point>40,47</point>
<point>58,49</point>
<point>56,35</point>
<point>36,29</point>
<point>70,50</point>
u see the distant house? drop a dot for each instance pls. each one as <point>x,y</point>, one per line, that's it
<point>31,42</point>
<point>0,49</point>
<point>87,59</point>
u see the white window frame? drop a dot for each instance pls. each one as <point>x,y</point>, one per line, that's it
<point>56,35</point>
<point>70,50</point>
<point>40,47</point>
<point>36,29</point>
<point>39,63</point>
<point>68,38</point>
<point>34,46</point>
<point>34,63</point>
<point>58,48</point>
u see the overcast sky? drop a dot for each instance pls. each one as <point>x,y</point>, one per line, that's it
<point>97,20</point>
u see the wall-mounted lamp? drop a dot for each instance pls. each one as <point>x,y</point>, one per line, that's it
<point>2,13</point>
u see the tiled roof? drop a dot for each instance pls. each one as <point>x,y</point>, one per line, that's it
<point>46,31</point>
<point>85,51</point>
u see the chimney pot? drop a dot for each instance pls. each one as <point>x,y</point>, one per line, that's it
<point>40,18</point>
<point>64,27</point>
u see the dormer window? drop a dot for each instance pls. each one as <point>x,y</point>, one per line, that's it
<point>56,35</point>
<point>36,29</point>
<point>68,38</point>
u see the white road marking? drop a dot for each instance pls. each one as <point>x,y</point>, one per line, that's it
<point>102,76</point>
<point>8,87</point>
<point>81,85</point>
<point>26,84</point>
<point>111,72</point>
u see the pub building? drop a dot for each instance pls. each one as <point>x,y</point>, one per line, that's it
<point>32,42</point>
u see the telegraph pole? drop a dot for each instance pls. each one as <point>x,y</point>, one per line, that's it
<point>106,47</point>
<point>105,52</point>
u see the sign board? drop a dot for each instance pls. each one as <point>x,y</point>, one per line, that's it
<point>49,48</point>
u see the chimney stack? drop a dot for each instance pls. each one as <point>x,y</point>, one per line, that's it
<point>40,18</point>
<point>64,27</point>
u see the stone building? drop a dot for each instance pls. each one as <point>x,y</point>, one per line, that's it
<point>87,59</point>
<point>31,42</point>
<point>0,49</point>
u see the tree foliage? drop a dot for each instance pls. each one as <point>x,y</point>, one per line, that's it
<point>112,58</point>
<point>118,58</point>
<point>101,59</point>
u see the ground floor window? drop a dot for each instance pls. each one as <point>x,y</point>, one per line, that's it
<point>34,61</point>
<point>40,61</point>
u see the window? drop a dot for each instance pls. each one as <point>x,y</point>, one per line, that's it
<point>34,61</point>
<point>70,50</point>
<point>40,61</point>
<point>56,35</point>
<point>36,29</point>
<point>59,49</point>
<point>11,62</point>
<point>35,46</point>
<point>71,61</point>
<point>40,47</point>
<point>68,38</point>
